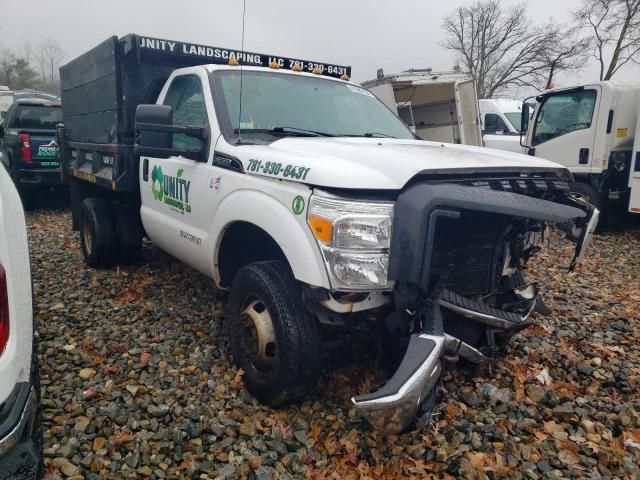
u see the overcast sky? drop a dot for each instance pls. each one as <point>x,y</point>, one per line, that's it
<point>367,34</point>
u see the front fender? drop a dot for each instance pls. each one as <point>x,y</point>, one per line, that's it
<point>275,217</point>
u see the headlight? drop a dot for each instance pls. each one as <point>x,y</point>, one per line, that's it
<point>354,237</point>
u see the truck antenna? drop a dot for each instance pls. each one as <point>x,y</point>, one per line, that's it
<point>244,12</point>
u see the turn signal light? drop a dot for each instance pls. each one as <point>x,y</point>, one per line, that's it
<point>322,228</point>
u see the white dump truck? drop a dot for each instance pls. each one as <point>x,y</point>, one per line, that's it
<point>438,106</point>
<point>592,130</point>
<point>310,201</point>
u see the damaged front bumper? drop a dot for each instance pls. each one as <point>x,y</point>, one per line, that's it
<point>393,408</point>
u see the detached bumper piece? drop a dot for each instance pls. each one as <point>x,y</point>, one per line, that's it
<point>392,408</point>
<point>20,458</point>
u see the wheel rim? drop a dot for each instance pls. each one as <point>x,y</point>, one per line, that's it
<point>87,237</point>
<point>257,335</point>
<point>581,197</point>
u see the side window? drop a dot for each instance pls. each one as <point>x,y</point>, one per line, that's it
<point>564,113</point>
<point>493,123</point>
<point>187,100</point>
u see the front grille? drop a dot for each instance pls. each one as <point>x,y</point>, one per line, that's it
<point>467,252</point>
<point>532,185</point>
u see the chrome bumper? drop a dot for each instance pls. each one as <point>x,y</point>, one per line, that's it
<point>585,238</point>
<point>15,434</point>
<point>392,408</point>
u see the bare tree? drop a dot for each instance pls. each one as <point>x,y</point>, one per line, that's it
<point>567,52</point>
<point>48,58</point>
<point>502,48</point>
<point>613,26</point>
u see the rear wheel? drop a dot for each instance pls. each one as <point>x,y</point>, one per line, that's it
<point>97,236</point>
<point>274,339</point>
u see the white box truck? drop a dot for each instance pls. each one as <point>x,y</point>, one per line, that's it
<point>440,107</point>
<point>593,130</point>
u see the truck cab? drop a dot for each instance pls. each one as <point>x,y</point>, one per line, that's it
<point>314,205</point>
<point>591,130</point>
<point>500,119</point>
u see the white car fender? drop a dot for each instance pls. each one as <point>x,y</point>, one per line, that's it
<point>15,361</point>
<point>273,215</point>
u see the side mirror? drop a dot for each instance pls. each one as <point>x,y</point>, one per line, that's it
<point>524,117</point>
<point>154,124</point>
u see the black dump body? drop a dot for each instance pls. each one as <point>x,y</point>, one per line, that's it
<point>102,88</point>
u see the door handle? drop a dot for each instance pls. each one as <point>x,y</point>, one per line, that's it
<point>145,169</point>
<point>583,158</point>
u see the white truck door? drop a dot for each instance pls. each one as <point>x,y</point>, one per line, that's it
<point>468,115</point>
<point>385,94</point>
<point>634,175</point>
<point>174,211</point>
<point>564,128</point>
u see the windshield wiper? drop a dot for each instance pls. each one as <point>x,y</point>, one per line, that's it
<point>372,135</point>
<point>284,131</point>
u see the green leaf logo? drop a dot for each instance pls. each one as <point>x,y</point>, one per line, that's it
<point>180,172</point>
<point>157,176</point>
<point>297,206</point>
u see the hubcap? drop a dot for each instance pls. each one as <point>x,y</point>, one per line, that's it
<point>258,336</point>
<point>87,236</point>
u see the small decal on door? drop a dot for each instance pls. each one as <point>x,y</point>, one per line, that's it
<point>215,183</point>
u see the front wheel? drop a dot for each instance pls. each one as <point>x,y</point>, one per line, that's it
<point>274,339</point>
<point>586,193</point>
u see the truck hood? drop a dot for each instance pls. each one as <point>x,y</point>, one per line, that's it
<point>382,163</point>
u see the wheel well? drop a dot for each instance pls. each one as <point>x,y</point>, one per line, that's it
<point>244,243</point>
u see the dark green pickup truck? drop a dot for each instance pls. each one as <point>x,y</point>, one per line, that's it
<point>28,149</point>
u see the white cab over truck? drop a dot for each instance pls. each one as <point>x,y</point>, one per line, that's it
<point>314,204</point>
<point>440,107</point>
<point>593,130</point>
<point>501,119</point>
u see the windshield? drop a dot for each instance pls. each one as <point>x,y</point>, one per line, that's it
<point>563,113</point>
<point>35,116</point>
<point>514,119</point>
<point>276,105</point>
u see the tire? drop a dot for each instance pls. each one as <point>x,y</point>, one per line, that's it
<point>587,192</point>
<point>97,235</point>
<point>128,237</point>
<point>288,366</point>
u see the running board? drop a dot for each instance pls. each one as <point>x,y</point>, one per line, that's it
<point>481,312</point>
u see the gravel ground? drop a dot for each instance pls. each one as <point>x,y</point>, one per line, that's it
<point>136,382</point>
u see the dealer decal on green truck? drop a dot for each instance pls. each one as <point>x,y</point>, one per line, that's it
<point>174,191</point>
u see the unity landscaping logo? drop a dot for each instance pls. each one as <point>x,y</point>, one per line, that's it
<point>173,191</point>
